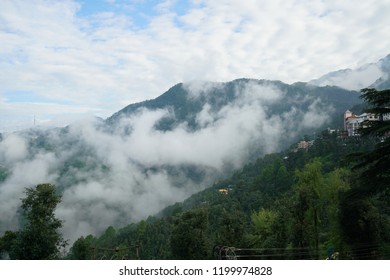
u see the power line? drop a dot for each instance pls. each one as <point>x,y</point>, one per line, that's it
<point>369,250</point>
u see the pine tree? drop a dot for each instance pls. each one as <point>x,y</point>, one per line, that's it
<point>374,165</point>
<point>364,209</point>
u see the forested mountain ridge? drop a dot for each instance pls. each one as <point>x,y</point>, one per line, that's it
<point>188,100</point>
<point>290,204</point>
<point>285,205</point>
<point>161,151</point>
<point>325,200</point>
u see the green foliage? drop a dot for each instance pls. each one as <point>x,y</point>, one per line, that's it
<point>298,204</point>
<point>374,165</point>
<point>307,208</point>
<point>6,242</point>
<point>107,240</point>
<point>189,235</point>
<point>228,226</point>
<point>263,221</point>
<point>360,221</point>
<point>3,174</point>
<point>82,248</point>
<point>40,238</point>
<point>364,208</point>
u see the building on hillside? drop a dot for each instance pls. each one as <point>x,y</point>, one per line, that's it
<point>353,122</point>
<point>347,114</point>
<point>223,191</point>
<point>303,145</point>
<point>332,130</point>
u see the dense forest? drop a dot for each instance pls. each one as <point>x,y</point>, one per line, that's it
<point>299,204</point>
<point>326,200</point>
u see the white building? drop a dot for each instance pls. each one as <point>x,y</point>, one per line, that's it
<point>353,122</point>
<point>353,125</point>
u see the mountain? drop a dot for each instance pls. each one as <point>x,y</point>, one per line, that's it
<point>224,214</point>
<point>152,154</point>
<point>369,75</point>
<point>186,101</point>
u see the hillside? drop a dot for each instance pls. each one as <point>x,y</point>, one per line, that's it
<point>376,75</point>
<point>186,101</point>
<point>161,151</point>
<point>262,211</point>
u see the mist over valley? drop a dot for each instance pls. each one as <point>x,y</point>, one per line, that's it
<point>152,154</point>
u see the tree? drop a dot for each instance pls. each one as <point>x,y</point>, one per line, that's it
<point>307,209</point>
<point>263,221</point>
<point>364,209</point>
<point>374,165</point>
<point>262,224</point>
<point>6,242</point>
<point>336,185</point>
<point>360,221</point>
<point>108,239</point>
<point>189,236</point>
<point>81,249</point>
<point>229,227</point>
<point>40,238</point>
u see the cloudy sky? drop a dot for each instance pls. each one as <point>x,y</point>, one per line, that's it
<point>64,60</point>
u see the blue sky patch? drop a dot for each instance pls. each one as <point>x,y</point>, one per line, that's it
<point>24,96</point>
<point>140,12</point>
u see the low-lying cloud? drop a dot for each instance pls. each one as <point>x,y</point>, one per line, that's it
<point>115,178</point>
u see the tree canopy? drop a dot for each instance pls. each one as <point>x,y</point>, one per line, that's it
<point>39,239</point>
<point>374,165</point>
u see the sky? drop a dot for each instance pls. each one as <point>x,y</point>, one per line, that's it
<point>61,61</point>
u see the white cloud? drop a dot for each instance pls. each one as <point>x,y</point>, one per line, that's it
<point>99,64</point>
<point>129,175</point>
<point>24,172</point>
<point>356,79</point>
<point>314,117</point>
<point>13,148</point>
<point>105,61</point>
